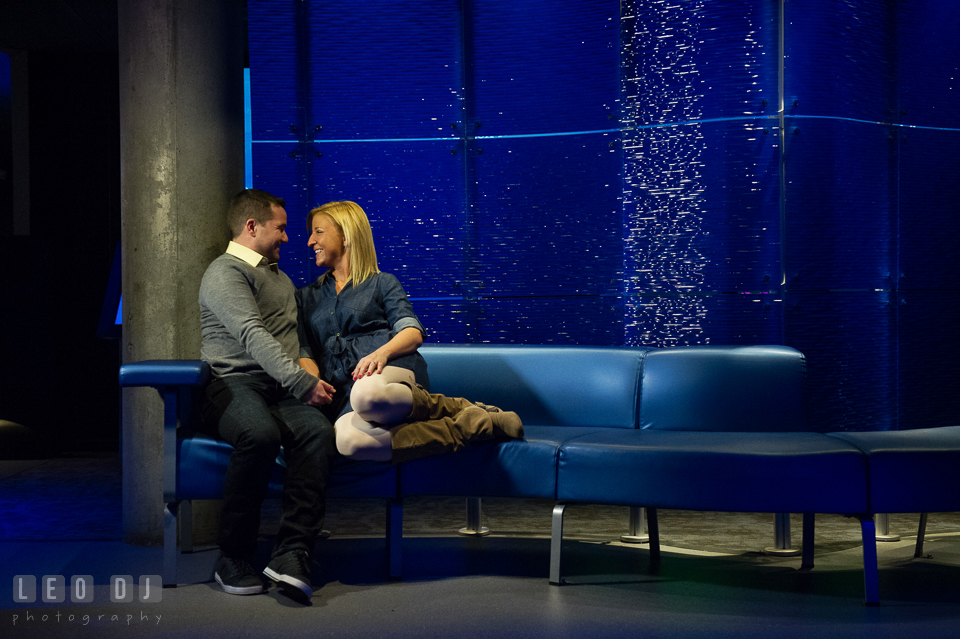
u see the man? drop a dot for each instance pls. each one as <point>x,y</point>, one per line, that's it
<point>257,401</point>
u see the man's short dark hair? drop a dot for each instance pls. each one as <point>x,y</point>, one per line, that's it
<point>251,204</point>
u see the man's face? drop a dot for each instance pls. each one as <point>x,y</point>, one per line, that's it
<point>272,235</point>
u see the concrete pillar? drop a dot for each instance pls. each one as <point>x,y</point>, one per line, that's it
<point>181,144</point>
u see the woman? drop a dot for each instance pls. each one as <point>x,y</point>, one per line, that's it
<point>358,332</point>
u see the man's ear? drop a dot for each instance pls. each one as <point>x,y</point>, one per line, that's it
<point>251,227</point>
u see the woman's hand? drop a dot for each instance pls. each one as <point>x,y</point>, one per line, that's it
<point>403,343</point>
<point>372,364</point>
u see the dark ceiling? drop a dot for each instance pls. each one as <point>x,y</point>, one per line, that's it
<point>58,25</point>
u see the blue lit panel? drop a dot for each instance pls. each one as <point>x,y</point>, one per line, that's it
<point>276,99</point>
<point>929,198</point>
<point>927,357</point>
<point>413,194</point>
<point>547,217</point>
<point>929,63</point>
<point>840,59</point>
<point>541,67</point>
<point>447,320</point>
<point>841,205</point>
<point>383,69</point>
<point>848,340</point>
<point>586,320</point>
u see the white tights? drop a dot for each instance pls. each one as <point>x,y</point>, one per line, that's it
<point>379,402</point>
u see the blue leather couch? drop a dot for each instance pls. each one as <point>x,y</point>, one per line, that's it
<point>692,428</point>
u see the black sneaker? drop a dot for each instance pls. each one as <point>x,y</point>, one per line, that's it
<point>237,576</point>
<point>291,571</point>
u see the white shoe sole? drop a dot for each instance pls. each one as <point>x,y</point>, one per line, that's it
<point>287,582</point>
<point>238,590</point>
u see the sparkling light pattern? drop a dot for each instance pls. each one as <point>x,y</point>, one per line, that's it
<point>701,226</point>
<point>663,181</point>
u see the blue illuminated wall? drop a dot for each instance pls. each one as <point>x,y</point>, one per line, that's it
<point>642,173</point>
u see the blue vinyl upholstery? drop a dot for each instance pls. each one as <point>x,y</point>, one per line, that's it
<point>546,385</point>
<point>555,390</point>
<point>525,468</point>
<point>724,388</point>
<point>165,372</point>
<point>203,466</point>
<point>911,470</point>
<point>736,472</point>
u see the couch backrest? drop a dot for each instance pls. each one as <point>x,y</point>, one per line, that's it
<point>724,388</point>
<point>545,385</point>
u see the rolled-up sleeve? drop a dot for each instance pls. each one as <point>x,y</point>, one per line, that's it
<point>397,305</point>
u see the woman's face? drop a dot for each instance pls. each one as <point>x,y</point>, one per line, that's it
<point>327,242</point>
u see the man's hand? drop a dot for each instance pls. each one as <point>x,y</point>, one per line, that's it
<point>321,395</point>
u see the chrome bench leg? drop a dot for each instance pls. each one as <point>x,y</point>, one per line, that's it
<point>556,540</point>
<point>637,533</point>
<point>170,550</point>
<point>782,546</point>
<point>882,522</point>
<point>921,532</point>
<point>474,519</point>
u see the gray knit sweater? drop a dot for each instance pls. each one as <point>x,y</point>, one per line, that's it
<point>248,323</point>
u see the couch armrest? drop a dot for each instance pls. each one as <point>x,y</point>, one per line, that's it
<point>177,381</point>
<point>160,373</point>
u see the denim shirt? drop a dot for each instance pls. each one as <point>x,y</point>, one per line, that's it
<point>338,330</point>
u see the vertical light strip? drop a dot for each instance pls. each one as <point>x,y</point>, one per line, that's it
<point>663,174</point>
<point>247,133</point>
<point>783,140</point>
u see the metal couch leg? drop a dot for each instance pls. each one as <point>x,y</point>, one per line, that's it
<point>809,524</point>
<point>921,532</point>
<point>170,550</point>
<point>871,575</point>
<point>638,528</point>
<point>882,522</point>
<point>653,528</point>
<point>394,537</point>
<point>186,526</point>
<point>474,519</point>
<point>556,541</point>
<point>782,546</point>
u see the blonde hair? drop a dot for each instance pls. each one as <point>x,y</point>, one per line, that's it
<point>354,226</point>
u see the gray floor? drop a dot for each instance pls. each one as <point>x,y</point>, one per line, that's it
<point>714,580</point>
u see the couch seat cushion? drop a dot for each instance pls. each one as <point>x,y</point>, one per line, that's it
<point>911,470</point>
<point>725,471</point>
<point>524,468</point>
